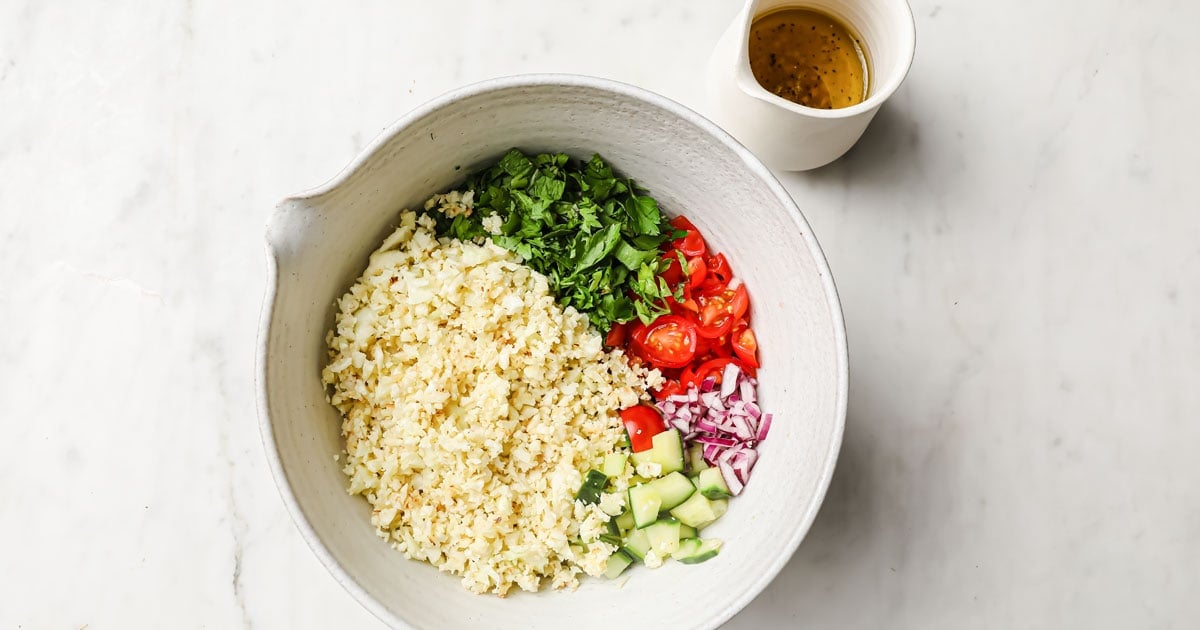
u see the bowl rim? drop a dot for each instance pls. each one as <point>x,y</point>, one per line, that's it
<point>267,434</point>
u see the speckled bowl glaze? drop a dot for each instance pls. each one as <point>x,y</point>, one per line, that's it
<point>318,242</point>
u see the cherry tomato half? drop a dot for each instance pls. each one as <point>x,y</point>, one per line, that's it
<point>692,244</point>
<point>716,347</point>
<point>720,309</point>
<point>642,423</point>
<point>616,335</point>
<point>719,273</point>
<point>673,274</point>
<point>670,341</point>
<point>714,368</point>
<point>697,271</point>
<point>717,313</point>
<point>669,388</point>
<point>745,344</point>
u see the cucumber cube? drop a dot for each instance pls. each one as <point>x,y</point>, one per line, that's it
<point>696,461</point>
<point>645,504</point>
<point>667,451</point>
<point>699,511</point>
<point>672,489</point>
<point>614,465</point>
<point>664,537</point>
<point>711,484</point>
<point>636,544</point>
<point>617,563</point>
<point>696,550</point>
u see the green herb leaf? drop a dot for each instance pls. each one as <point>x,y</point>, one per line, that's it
<point>645,215</point>
<point>599,245</point>
<point>632,257</point>
<point>516,164</point>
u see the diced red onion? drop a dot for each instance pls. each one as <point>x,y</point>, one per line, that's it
<point>747,391</point>
<point>716,441</point>
<point>731,478</point>
<point>741,427</point>
<point>708,384</point>
<point>763,427</point>
<point>729,379</point>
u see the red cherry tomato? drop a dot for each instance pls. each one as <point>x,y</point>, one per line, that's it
<point>686,308</point>
<point>697,271</point>
<point>719,273</point>
<point>745,344</point>
<point>635,338</point>
<point>616,335</point>
<point>741,302</point>
<point>716,314</point>
<point>670,341</point>
<point>642,423</point>
<point>692,244</point>
<point>713,367</point>
<point>673,274</point>
<point>682,223</point>
<point>669,388</point>
<point>720,309</point>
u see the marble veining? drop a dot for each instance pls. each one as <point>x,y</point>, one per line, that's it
<point>1013,240</point>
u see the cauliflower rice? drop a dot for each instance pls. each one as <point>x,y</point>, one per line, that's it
<point>472,403</point>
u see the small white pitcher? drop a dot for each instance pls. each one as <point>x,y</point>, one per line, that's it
<point>792,137</point>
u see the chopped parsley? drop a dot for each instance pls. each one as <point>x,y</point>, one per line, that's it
<point>595,235</point>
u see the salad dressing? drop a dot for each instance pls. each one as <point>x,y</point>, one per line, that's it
<point>810,58</point>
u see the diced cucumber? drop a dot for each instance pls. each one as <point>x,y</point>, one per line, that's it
<point>624,521</point>
<point>593,485</point>
<point>642,457</point>
<point>696,550</point>
<point>617,563</point>
<point>645,504</point>
<point>614,464</point>
<point>687,531</point>
<point>667,451</point>
<point>623,441</point>
<point>698,511</point>
<point>664,537</point>
<point>711,484</point>
<point>696,461</point>
<point>613,529</point>
<point>636,479</point>
<point>672,490</point>
<point>636,544</point>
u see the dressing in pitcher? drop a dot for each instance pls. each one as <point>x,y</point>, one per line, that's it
<point>809,57</point>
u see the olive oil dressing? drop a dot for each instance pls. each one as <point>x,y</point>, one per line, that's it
<point>810,58</point>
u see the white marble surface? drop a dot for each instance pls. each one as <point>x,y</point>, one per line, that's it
<point>1016,241</point>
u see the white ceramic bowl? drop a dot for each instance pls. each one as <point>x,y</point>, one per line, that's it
<point>318,242</point>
